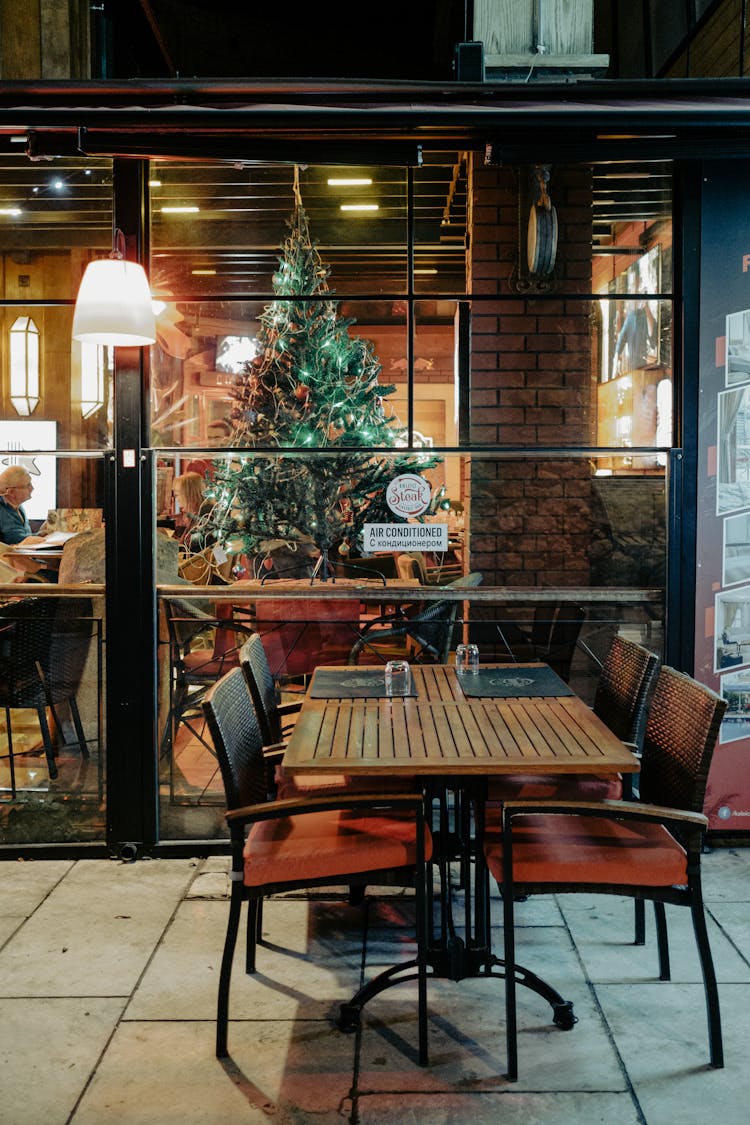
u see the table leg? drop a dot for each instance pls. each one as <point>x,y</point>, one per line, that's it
<point>447,955</point>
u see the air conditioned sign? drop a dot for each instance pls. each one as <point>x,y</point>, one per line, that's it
<point>405,537</point>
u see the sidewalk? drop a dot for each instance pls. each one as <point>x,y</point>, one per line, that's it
<point>108,975</point>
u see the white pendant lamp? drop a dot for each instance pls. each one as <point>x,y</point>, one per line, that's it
<point>113,305</point>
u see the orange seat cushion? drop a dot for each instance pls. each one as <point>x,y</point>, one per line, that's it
<point>334,844</point>
<point>582,849</point>
<point>535,787</point>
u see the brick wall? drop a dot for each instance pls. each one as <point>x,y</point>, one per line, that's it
<point>532,384</point>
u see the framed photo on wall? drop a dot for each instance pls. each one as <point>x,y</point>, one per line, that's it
<point>631,328</point>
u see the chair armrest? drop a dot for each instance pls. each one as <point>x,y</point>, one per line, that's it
<point>439,575</point>
<point>293,707</point>
<point>275,752</point>
<point>378,637</point>
<point>296,806</point>
<point>393,618</point>
<point>618,810</point>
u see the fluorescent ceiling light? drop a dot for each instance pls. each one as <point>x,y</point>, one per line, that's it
<point>154,183</point>
<point>425,271</point>
<point>10,210</point>
<point>203,273</point>
<point>349,181</point>
<point>179,210</point>
<point>360,207</point>
<point>19,140</point>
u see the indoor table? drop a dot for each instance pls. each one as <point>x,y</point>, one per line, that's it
<point>450,735</point>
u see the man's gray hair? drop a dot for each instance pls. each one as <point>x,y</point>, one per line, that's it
<point>15,476</point>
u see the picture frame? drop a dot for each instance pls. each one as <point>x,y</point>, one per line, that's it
<point>631,328</point>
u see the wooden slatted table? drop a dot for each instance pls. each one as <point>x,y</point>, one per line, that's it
<point>447,741</point>
<point>443,732</point>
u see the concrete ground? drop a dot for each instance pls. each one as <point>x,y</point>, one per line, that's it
<point>108,976</point>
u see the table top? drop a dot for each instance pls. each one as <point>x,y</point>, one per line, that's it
<point>442,732</point>
<point>38,551</point>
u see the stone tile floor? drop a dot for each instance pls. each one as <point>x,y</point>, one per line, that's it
<point>108,976</point>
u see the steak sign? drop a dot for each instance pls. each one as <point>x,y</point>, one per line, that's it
<point>408,495</point>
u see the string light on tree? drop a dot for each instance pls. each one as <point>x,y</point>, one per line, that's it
<point>312,385</point>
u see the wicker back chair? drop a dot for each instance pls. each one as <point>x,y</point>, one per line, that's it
<point>624,688</point>
<point>308,841</point>
<point>647,849</point>
<point>620,700</point>
<point>426,636</point>
<point>271,713</point>
<point>44,643</point>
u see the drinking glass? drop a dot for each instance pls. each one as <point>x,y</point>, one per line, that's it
<point>397,677</point>
<point>467,659</point>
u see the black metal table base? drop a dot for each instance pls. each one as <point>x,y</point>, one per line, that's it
<point>443,967</point>
<point>448,956</point>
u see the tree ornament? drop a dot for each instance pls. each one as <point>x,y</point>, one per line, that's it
<point>344,547</point>
<point>313,386</point>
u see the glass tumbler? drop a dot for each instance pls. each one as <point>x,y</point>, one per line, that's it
<point>467,659</point>
<point>397,677</point>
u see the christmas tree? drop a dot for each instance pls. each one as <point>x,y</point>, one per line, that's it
<point>313,385</point>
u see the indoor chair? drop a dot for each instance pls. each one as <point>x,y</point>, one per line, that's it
<point>374,566</point>
<point>647,849</point>
<point>551,637</point>
<point>202,647</point>
<point>308,841</point>
<point>300,634</point>
<point>413,565</point>
<point>44,643</point>
<point>424,634</point>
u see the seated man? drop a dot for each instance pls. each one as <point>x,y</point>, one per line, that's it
<point>15,488</point>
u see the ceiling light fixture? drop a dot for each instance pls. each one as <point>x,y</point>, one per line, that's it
<point>349,181</point>
<point>179,210</point>
<point>360,207</point>
<point>10,210</point>
<point>113,305</point>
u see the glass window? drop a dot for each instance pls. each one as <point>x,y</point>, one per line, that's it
<point>55,216</point>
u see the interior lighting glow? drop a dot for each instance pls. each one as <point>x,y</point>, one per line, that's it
<point>24,365</point>
<point>96,365</point>
<point>349,181</point>
<point>113,305</point>
<point>179,210</point>
<point>360,207</point>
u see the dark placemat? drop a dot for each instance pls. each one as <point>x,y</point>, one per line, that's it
<point>360,683</point>
<point>506,682</point>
